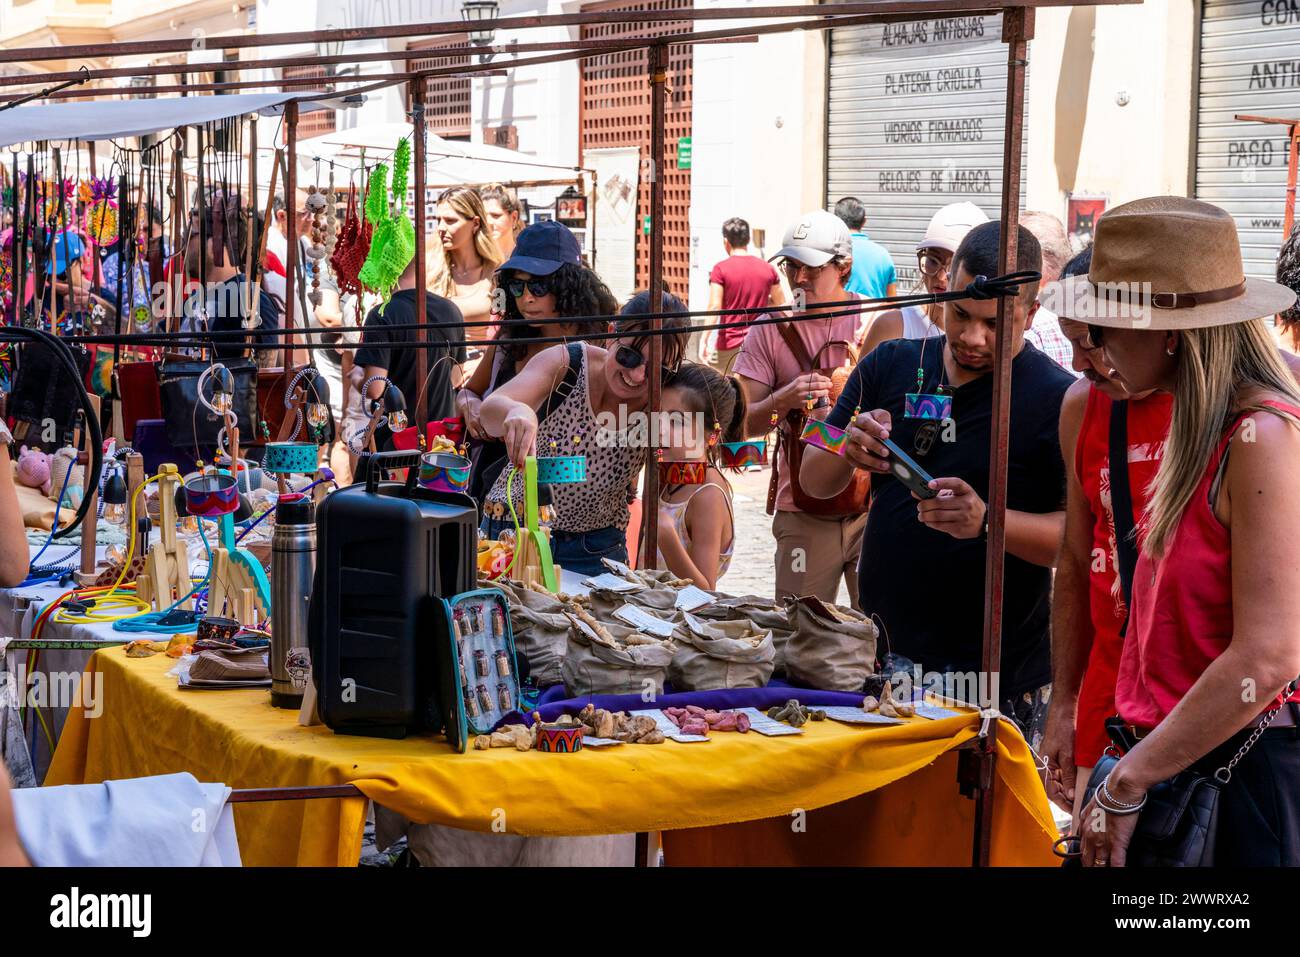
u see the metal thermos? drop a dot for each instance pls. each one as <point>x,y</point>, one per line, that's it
<point>293,564</point>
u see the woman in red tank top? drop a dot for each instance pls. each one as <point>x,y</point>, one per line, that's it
<point>1214,629</point>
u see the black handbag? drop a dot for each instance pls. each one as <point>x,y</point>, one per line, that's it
<point>43,393</point>
<point>1177,826</point>
<point>189,424</point>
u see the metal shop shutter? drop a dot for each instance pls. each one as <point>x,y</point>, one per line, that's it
<point>1249,63</point>
<point>615,102</point>
<point>915,119</point>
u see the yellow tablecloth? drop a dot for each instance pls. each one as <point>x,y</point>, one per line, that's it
<point>149,726</point>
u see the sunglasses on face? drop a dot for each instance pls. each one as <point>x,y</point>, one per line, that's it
<point>1092,341</point>
<point>631,357</point>
<point>536,287</point>
<point>931,264</point>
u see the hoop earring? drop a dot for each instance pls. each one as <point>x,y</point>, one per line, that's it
<point>1170,352</point>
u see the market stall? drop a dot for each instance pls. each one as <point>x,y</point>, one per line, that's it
<point>237,737</point>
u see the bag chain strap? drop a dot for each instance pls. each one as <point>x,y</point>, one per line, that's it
<point>1224,774</point>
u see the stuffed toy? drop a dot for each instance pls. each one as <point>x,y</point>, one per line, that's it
<point>76,479</point>
<point>33,469</point>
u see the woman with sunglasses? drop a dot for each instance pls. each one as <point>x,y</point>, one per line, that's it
<point>539,288</point>
<point>585,388</point>
<point>948,227</point>
<point>1207,674</point>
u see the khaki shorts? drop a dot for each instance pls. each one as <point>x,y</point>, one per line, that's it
<point>814,554</point>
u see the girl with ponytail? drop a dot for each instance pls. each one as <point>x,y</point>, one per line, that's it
<point>701,409</point>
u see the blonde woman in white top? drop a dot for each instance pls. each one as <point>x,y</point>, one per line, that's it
<point>463,261</point>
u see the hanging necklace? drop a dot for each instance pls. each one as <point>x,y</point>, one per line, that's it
<point>933,408</point>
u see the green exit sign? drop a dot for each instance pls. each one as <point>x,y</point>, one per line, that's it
<point>645,225</point>
<point>684,152</point>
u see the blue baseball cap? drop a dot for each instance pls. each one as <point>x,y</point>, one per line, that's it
<point>543,248</point>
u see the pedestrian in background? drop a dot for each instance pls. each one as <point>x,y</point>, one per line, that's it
<point>873,268</point>
<point>741,281</point>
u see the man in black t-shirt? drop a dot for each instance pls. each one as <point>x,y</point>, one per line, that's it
<point>392,352</point>
<point>922,564</point>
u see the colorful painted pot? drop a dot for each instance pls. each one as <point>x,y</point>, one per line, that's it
<point>211,495</point>
<point>682,473</point>
<point>284,458</point>
<point>559,738</point>
<point>444,472</point>
<point>561,469</point>
<point>822,436</point>
<point>739,455</point>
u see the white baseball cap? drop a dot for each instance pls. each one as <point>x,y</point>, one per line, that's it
<point>816,239</point>
<point>949,226</point>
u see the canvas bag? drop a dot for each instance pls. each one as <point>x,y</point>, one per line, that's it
<point>604,602</point>
<point>765,613</point>
<point>713,655</point>
<point>591,667</point>
<point>832,648</point>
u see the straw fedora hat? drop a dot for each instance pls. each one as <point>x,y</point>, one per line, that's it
<point>1166,262</point>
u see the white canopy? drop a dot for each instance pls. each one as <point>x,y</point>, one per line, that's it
<point>449,163</point>
<point>109,119</point>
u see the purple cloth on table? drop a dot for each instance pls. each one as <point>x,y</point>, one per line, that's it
<point>552,705</point>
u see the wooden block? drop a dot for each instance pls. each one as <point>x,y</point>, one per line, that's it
<point>307,716</point>
<point>248,607</point>
<point>144,588</point>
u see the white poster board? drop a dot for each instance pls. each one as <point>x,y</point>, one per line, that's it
<point>616,198</point>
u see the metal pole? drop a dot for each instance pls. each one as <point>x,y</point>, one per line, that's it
<point>421,297</point>
<point>658,65</point>
<point>291,231</point>
<point>1017,27</point>
<point>1290,181</point>
<point>250,270</point>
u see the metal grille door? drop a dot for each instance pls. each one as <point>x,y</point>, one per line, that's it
<point>915,121</point>
<point>616,112</point>
<point>1250,63</point>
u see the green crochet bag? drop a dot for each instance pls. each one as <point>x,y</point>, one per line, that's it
<point>392,245</point>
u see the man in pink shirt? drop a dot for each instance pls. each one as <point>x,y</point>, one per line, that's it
<point>813,552</point>
<point>741,281</point>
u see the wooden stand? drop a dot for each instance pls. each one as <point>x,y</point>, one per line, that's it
<point>232,592</point>
<point>167,570</point>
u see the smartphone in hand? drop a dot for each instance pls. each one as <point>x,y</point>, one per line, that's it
<point>908,472</point>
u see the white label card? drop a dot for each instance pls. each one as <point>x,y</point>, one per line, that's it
<point>934,712</point>
<point>642,620</point>
<point>612,583</point>
<point>764,725</point>
<point>691,597</point>
<point>851,715</point>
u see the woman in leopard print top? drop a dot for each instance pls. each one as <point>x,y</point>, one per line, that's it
<point>609,388</point>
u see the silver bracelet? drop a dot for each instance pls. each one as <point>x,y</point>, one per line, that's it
<point>1108,803</point>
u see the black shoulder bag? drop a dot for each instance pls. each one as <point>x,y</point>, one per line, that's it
<point>1178,824</point>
